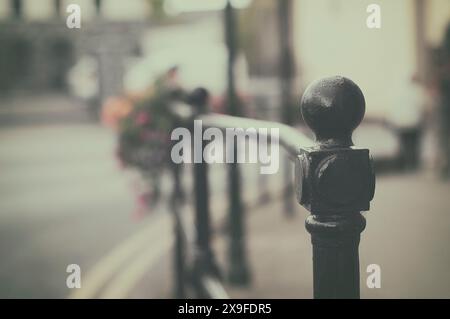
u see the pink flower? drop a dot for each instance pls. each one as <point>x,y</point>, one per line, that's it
<point>143,202</point>
<point>142,118</point>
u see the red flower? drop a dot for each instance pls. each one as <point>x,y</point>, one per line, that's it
<point>142,118</point>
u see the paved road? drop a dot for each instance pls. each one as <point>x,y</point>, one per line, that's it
<point>407,235</point>
<point>63,200</point>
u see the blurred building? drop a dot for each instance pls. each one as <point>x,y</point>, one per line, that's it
<point>328,37</point>
<point>331,37</point>
<point>38,48</point>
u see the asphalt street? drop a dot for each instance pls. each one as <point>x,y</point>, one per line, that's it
<point>63,200</point>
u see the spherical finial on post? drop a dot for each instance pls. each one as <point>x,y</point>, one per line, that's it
<point>333,107</point>
<point>198,97</point>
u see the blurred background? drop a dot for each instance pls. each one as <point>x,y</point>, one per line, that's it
<point>70,194</point>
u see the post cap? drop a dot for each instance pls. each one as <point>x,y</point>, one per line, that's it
<point>333,107</point>
<point>198,97</point>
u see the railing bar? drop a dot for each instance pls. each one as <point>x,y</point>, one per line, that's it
<point>186,228</point>
<point>290,138</point>
<point>214,288</point>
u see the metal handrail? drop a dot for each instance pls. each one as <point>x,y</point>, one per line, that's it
<point>289,137</point>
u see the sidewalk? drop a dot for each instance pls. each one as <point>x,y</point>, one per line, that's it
<point>44,109</point>
<point>407,234</point>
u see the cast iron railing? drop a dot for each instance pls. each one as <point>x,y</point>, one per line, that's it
<point>334,182</point>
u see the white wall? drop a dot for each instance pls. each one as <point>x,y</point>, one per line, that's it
<point>88,10</point>
<point>331,38</point>
<point>38,10</point>
<point>438,17</point>
<point>125,10</point>
<point>5,10</point>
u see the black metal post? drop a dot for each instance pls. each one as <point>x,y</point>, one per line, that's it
<point>231,39</point>
<point>287,71</point>
<point>17,8</point>
<point>178,194</point>
<point>179,256</point>
<point>335,254</point>
<point>98,7</point>
<point>263,179</point>
<point>202,220</point>
<point>334,182</point>
<point>238,272</point>
<point>180,240</point>
<point>58,12</point>
<point>204,260</point>
<point>204,257</point>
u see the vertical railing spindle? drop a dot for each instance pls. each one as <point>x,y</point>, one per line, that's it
<point>238,272</point>
<point>204,260</point>
<point>179,252</point>
<point>287,72</point>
